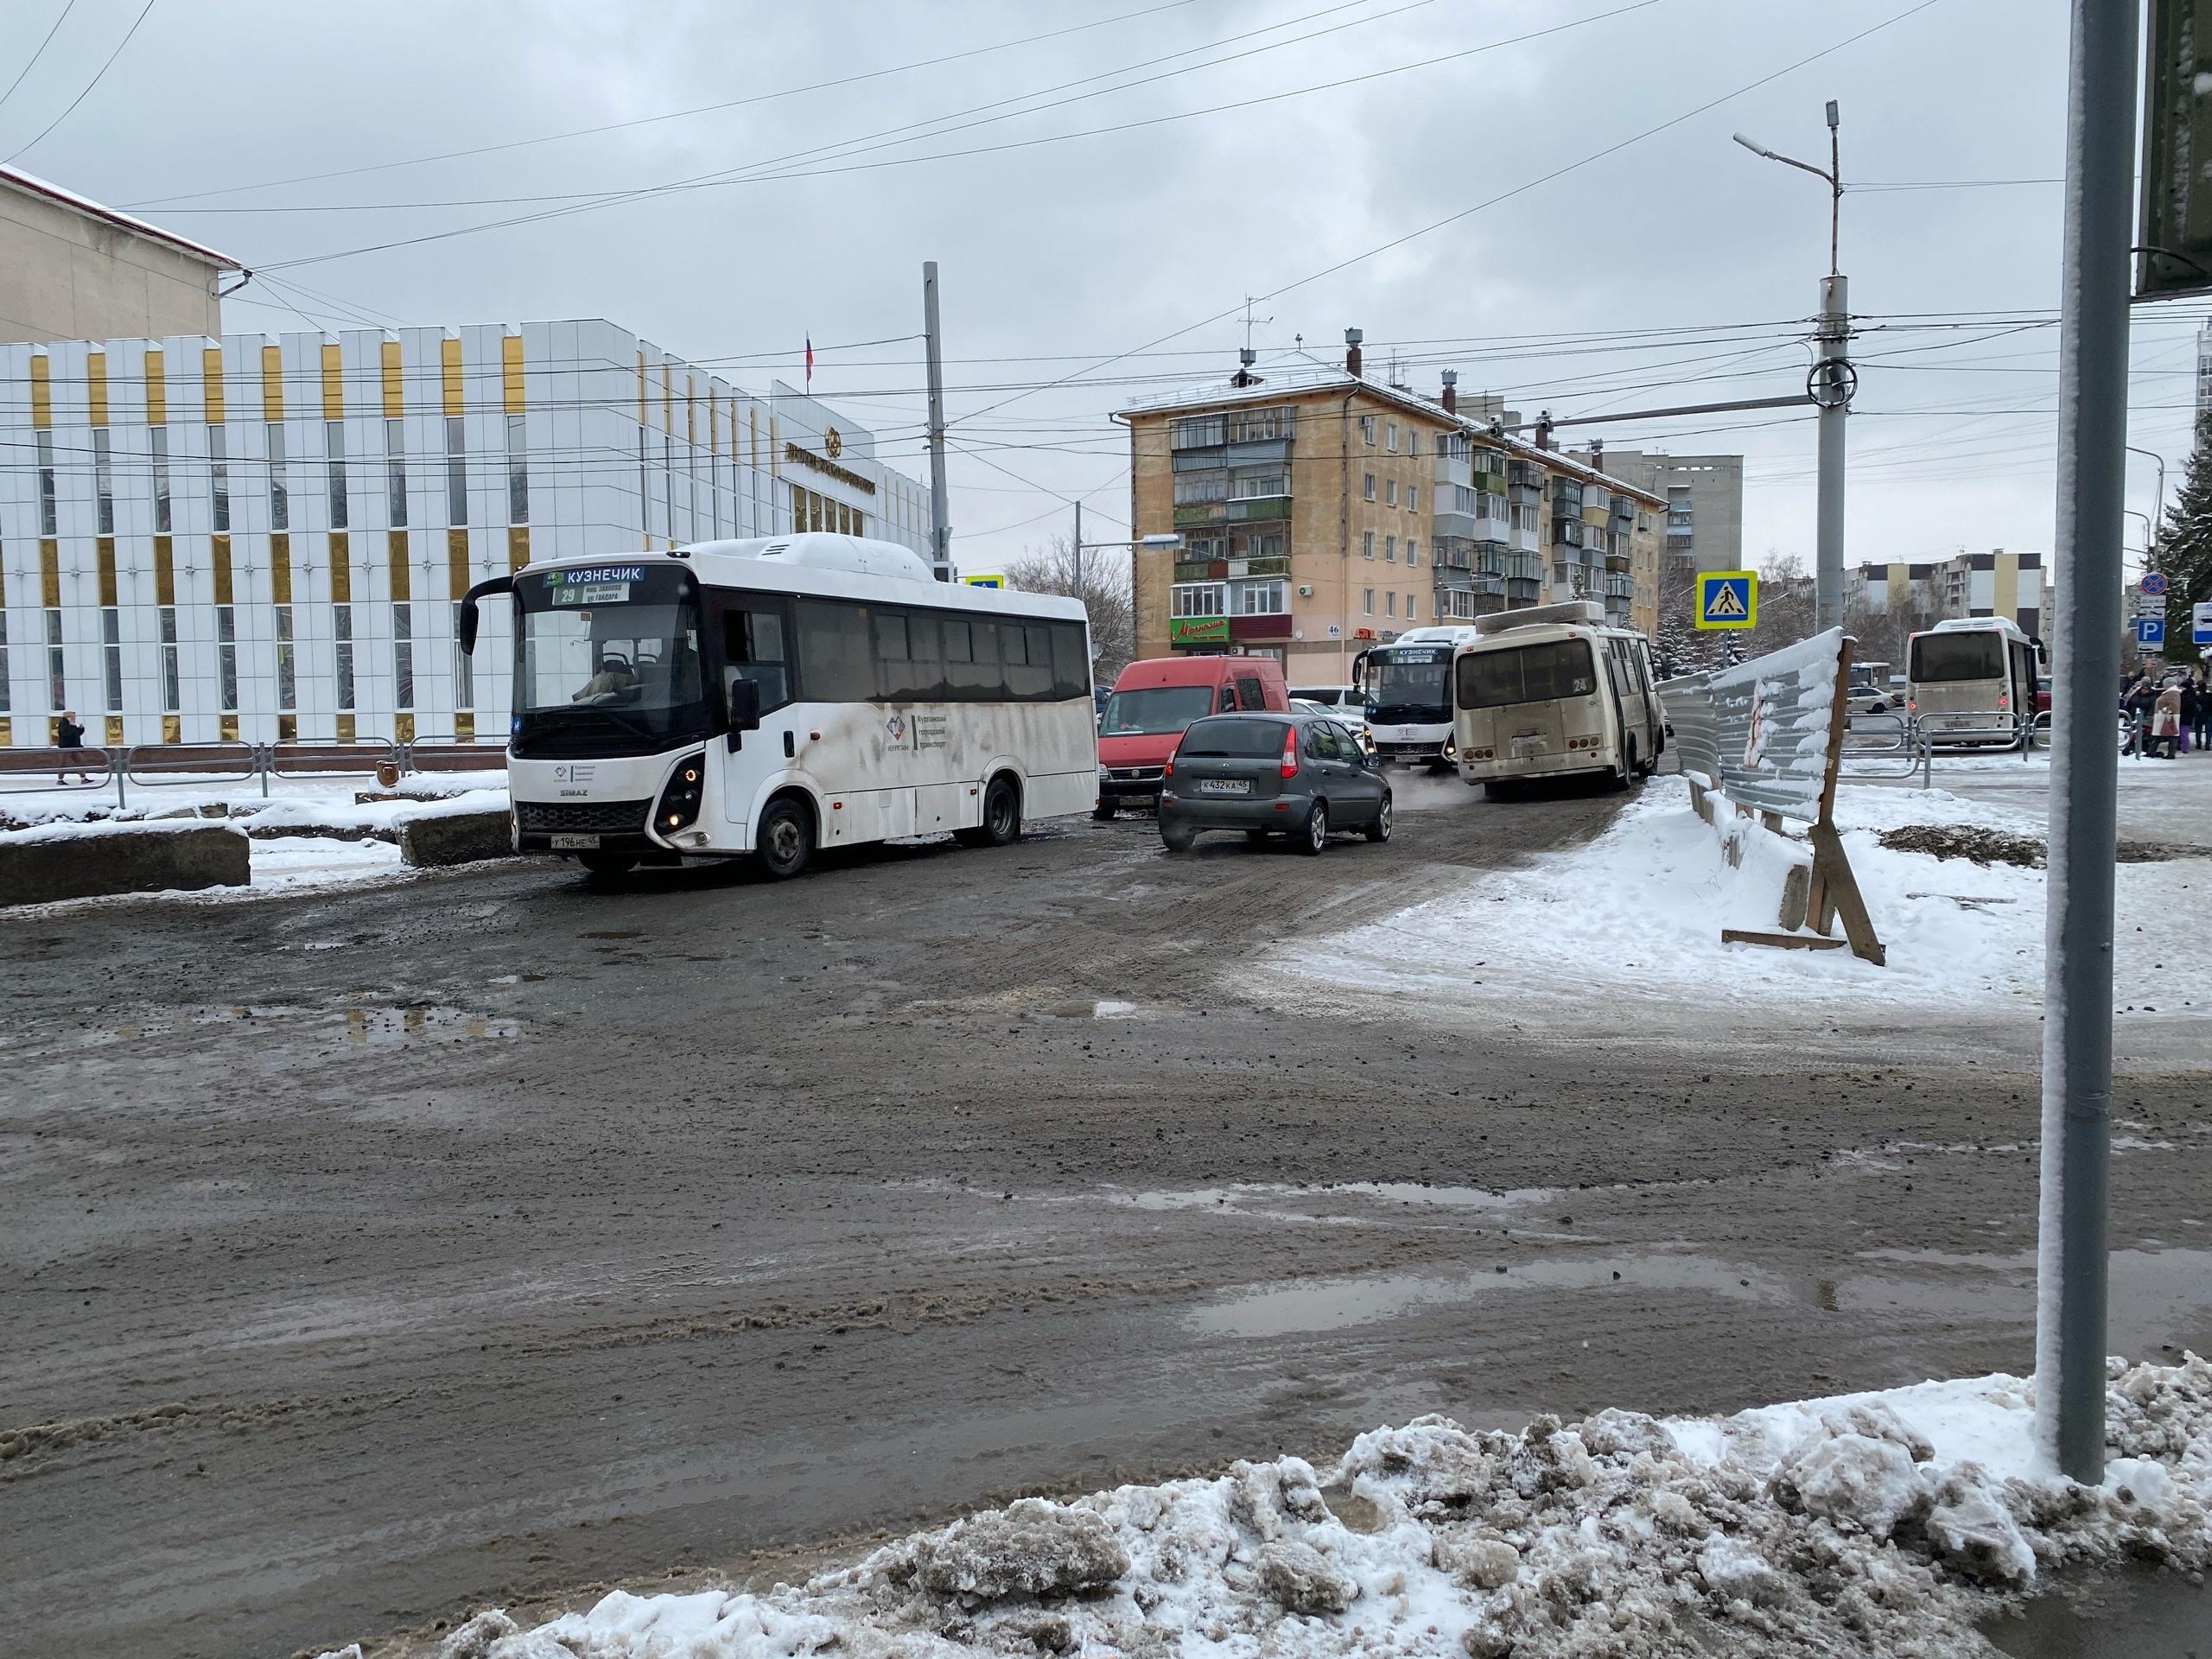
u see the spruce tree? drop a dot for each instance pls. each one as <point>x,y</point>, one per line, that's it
<point>2183,553</point>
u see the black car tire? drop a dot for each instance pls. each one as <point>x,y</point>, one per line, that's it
<point>1380,830</point>
<point>1103,811</point>
<point>1001,824</point>
<point>606,867</point>
<point>1315,835</point>
<point>1177,837</point>
<point>784,839</point>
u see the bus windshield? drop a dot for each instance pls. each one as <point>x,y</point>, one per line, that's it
<point>1538,673</point>
<point>1155,709</point>
<point>1963,655</point>
<point>606,661</point>
<point>1409,683</point>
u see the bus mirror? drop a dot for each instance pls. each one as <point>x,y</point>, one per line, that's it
<point>468,627</point>
<point>743,707</point>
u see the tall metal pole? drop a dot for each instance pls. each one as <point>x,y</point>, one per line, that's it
<point>1834,393</point>
<point>940,509</point>
<point>2085,761</point>
<point>1078,547</point>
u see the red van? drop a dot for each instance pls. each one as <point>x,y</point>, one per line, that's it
<point>1154,701</point>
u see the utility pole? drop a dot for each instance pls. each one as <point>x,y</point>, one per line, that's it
<point>1832,382</point>
<point>940,510</point>
<point>1078,547</point>
<point>2070,1263</point>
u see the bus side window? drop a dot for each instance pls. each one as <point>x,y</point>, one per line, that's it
<point>754,649</point>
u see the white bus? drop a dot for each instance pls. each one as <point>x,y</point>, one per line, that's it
<point>1408,689</point>
<point>777,696</point>
<point>1972,680</point>
<point>1551,691</point>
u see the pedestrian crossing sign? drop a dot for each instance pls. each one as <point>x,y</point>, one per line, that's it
<point>1727,598</point>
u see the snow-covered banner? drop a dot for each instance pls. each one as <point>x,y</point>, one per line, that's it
<point>1761,732</point>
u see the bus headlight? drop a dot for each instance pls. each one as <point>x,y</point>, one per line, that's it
<point>679,800</point>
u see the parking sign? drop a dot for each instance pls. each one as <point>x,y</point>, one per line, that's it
<point>2200,623</point>
<point>2150,630</point>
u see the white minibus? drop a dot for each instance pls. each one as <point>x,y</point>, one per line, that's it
<point>1551,691</point>
<point>1408,689</point>
<point>780,694</point>
<point>1972,680</point>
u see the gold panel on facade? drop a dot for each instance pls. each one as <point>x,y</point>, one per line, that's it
<point>517,546</point>
<point>288,728</point>
<point>395,399</point>
<point>511,383</point>
<point>449,374</point>
<point>103,558</point>
<point>396,555</point>
<point>96,387</point>
<point>227,728</point>
<point>157,387</point>
<point>280,568</point>
<point>457,562</point>
<point>7,732</point>
<point>344,728</point>
<point>219,559</point>
<point>272,383</point>
<point>113,726</point>
<point>49,573</point>
<point>464,726</point>
<point>54,731</point>
<point>210,384</point>
<point>333,382</point>
<point>402,728</point>
<point>172,728</point>
<point>341,569</point>
<point>42,392</point>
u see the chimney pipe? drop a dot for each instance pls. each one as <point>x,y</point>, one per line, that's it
<point>1352,337</point>
<point>1451,391</point>
<point>1598,454</point>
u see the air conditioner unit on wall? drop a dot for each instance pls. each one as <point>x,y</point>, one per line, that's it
<point>1306,590</point>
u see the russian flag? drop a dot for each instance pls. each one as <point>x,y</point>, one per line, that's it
<point>809,362</point>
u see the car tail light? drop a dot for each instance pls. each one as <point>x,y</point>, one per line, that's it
<point>1290,752</point>
<point>1167,766</point>
<point>1912,705</point>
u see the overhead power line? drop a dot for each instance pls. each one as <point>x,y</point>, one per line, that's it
<point>99,76</point>
<point>40,53</point>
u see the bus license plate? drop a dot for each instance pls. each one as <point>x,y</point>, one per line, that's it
<point>575,843</point>
<point>1224,786</point>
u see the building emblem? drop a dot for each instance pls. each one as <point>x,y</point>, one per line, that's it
<point>833,443</point>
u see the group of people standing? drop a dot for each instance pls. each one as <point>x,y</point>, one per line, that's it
<point>2168,719</point>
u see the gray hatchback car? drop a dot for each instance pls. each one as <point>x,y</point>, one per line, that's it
<point>1268,774</point>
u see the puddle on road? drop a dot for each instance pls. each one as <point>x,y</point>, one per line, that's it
<point>357,1027</point>
<point>1282,1201</point>
<point>2139,1612</point>
<point>1334,1304</point>
<point>2159,1299</point>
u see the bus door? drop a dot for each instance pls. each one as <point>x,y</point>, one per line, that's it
<point>754,634</point>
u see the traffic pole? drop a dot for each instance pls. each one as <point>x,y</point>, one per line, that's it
<point>1832,379</point>
<point>2070,1264</point>
<point>940,509</point>
<point>1078,547</point>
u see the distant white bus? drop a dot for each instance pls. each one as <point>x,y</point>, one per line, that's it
<point>1409,690</point>
<point>777,695</point>
<point>1972,680</point>
<point>1552,691</point>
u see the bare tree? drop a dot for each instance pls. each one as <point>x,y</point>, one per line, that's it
<point>1786,607</point>
<point>1107,594</point>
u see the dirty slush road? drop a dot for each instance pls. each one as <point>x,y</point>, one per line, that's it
<point>377,1256</point>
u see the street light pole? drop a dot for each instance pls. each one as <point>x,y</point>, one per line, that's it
<point>2157,505</point>
<point>1833,379</point>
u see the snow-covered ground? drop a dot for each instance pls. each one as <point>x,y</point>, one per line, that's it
<point>1887,1522</point>
<point>1637,914</point>
<point>308,834</point>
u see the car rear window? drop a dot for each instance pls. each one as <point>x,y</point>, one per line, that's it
<point>1236,739</point>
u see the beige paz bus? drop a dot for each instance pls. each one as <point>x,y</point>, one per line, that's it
<point>1553,691</point>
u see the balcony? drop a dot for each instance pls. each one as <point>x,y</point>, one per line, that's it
<point>1257,509</point>
<point>1260,450</point>
<point>1568,532</point>
<point>1524,475</point>
<point>1201,570</point>
<point>1619,587</point>
<point>1274,566</point>
<point>1201,512</point>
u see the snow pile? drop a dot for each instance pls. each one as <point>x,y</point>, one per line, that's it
<point>1639,912</point>
<point>1882,1522</point>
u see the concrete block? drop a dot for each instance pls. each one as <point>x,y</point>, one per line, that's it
<point>1796,892</point>
<point>454,838</point>
<point>136,860</point>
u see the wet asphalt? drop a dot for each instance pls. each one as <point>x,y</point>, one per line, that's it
<point>377,1255</point>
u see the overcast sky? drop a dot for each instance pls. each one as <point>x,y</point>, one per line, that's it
<point>1061,246</point>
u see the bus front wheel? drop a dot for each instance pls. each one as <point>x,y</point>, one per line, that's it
<point>1001,824</point>
<point>785,838</point>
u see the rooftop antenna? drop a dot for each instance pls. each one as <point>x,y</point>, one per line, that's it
<point>1247,357</point>
<point>1249,301</point>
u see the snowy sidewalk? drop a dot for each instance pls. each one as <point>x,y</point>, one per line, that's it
<point>1889,1523</point>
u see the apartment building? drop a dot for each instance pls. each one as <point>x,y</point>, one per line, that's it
<point>1322,512</point>
<point>2015,586</point>
<point>1705,501</point>
<point>263,538</point>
